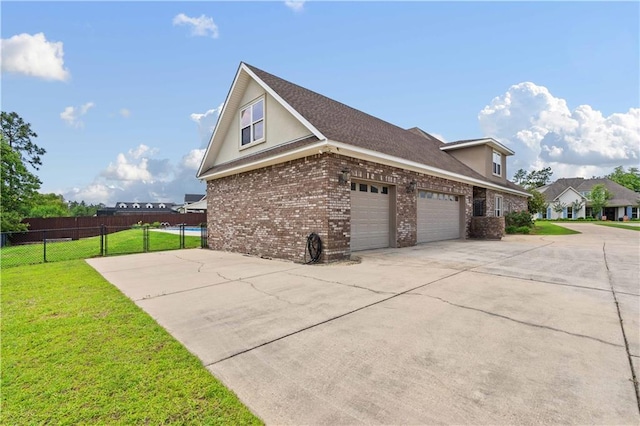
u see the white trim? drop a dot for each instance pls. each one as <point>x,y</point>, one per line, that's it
<point>284,103</point>
<point>573,189</point>
<point>363,154</point>
<point>490,141</point>
<point>493,161</point>
<point>495,206</point>
<point>249,105</point>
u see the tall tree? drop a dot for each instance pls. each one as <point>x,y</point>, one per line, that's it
<point>49,205</point>
<point>599,197</point>
<point>18,187</point>
<point>19,135</point>
<point>533,179</point>
<point>536,203</point>
<point>629,178</point>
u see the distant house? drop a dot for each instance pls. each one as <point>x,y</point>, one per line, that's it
<point>194,203</point>
<point>137,207</point>
<point>568,198</point>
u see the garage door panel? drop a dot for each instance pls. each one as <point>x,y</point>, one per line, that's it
<point>369,216</point>
<point>438,216</point>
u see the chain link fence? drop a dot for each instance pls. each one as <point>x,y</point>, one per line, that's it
<point>52,245</point>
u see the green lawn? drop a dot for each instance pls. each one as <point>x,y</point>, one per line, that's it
<point>123,242</point>
<point>548,228</point>
<point>618,225</point>
<point>77,351</point>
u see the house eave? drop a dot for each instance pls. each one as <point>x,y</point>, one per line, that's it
<point>341,148</point>
<point>486,141</point>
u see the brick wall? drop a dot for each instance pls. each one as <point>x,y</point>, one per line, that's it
<point>487,227</point>
<point>271,211</point>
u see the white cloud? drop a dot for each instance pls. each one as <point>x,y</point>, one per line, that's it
<point>193,159</point>
<point>544,131</point>
<point>206,123</point>
<point>71,115</point>
<point>201,26</point>
<point>295,5</point>
<point>34,56</point>
<point>125,113</point>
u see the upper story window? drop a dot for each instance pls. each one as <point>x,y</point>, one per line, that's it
<point>252,123</point>
<point>497,163</point>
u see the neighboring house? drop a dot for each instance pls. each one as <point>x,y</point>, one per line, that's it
<point>284,162</point>
<point>194,203</point>
<point>137,207</point>
<point>564,195</point>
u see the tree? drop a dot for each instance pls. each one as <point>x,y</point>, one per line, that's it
<point>17,189</point>
<point>599,196</point>
<point>49,205</point>
<point>537,203</point>
<point>82,209</point>
<point>576,206</point>
<point>629,179</point>
<point>18,135</point>
<point>558,206</point>
<point>533,179</point>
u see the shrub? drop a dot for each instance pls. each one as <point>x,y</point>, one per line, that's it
<point>511,229</point>
<point>155,225</point>
<point>519,219</point>
<point>523,230</point>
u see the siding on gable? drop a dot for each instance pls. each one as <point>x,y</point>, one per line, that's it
<point>281,127</point>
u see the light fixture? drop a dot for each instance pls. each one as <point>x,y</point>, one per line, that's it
<point>344,176</point>
<point>411,187</point>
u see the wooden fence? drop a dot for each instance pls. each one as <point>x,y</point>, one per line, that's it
<point>90,226</point>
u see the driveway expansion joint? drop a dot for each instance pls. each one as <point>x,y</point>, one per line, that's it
<point>634,378</point>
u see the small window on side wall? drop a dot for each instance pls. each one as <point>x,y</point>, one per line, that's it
<point>498,208</point>
<point>497,163</point>
<point>252,123</point>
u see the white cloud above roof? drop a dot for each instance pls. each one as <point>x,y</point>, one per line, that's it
<point>544,131</point>
<point>295,5</point>
<point>206,123</point>
<point>34,56</point>
<point>202,26</point>
<point>71,115</point>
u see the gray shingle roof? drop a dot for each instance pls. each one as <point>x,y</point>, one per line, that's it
<point>341,123</point>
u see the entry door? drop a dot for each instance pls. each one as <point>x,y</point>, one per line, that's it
<point>438,216</point>
<point>369,216</point>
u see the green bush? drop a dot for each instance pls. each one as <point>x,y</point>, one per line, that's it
<point>523,230</point>
<point>519,219</point>
<point>155,225</point>
<point>511,229</point>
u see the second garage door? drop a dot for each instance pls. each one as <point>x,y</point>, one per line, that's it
<point>369,216</point>
<point>438,216</point>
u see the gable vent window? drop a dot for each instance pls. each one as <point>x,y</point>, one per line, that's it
<point>497,163</point>
<point>252,123</point>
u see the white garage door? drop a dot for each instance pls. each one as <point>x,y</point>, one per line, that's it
<point>369,216</point>
<point>438,216</point>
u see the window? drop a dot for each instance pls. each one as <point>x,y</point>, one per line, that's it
<point>122,206</point>
<point>353,186</point>
<point>374,189</point>
<point>497,163</point>
<point>161,205</point>
<point>252,123</point>
<point>498,205</point>
<point>385,190</point>
<point>363,187</point>
<point>149,205</point>
<point>569,212</point>
<point>634,212</point>
<point>136,205</point>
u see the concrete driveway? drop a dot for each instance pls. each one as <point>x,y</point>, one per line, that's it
<point>520,331</point>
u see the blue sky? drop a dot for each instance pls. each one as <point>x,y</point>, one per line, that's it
<point>124,95</point>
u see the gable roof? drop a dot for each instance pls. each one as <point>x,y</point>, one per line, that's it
<point>622,196</point>
<point>337,124</point>
<point>450,146</point>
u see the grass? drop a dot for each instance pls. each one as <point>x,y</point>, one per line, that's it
<point>77,351</point>
<point>548,228</point>
<point>123,242</point>
<point>618,225</point>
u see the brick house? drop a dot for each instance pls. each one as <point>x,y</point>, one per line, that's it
<point>284,162</point>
